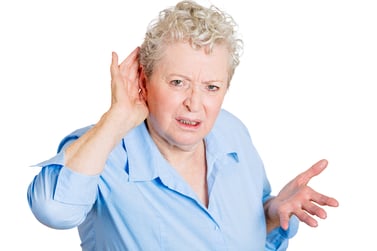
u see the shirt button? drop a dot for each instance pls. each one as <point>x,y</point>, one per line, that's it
<point>216,228</point>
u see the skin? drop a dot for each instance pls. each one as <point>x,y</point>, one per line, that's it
<point>184,97</point>
<point>297,198</point>
<point>180,102</point>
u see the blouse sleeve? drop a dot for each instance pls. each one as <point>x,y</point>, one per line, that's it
<point>59,197</point>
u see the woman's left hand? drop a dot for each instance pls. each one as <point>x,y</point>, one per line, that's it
<point>297,198</point>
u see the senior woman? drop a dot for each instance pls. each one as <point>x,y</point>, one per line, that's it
<point>166,168</point>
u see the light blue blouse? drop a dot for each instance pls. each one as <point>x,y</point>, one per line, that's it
<point>139,201</point>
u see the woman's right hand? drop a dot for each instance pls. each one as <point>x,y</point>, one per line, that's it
<point>127,103</point>
<point>88,154</point>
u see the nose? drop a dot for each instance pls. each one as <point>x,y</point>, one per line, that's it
<point>193,98</point>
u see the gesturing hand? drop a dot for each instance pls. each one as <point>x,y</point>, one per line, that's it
<point>126,100</point>
<point>299,199</point>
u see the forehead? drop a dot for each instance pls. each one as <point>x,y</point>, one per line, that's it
<point>181,58</point>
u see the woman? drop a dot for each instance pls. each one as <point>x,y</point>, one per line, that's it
<point>166,168</point>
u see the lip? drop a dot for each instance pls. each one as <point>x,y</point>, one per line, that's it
<point>188,123</point>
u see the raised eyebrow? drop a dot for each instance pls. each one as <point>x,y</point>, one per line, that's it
<point>174,76</point>
<point>217,82</point>
<point>183,77</point>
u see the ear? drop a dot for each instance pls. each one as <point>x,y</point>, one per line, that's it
<point>143,82</point>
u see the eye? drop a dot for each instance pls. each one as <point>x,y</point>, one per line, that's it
<point>177,83</point>
<point>212,88</point>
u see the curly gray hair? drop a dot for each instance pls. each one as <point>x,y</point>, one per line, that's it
<point>190,22</point>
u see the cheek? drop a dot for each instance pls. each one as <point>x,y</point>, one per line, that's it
<point>214,104</point>
<point>163,101</point>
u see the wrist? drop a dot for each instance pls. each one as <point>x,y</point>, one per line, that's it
<point>271,216</point>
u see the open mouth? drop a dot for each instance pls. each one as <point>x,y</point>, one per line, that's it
<point>189,123</point>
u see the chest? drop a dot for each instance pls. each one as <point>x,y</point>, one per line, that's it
<point>170,215</point>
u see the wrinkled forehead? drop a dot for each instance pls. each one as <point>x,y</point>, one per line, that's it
<point>197,63</point>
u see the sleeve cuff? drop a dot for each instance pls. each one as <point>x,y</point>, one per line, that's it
<point>292,229</point>
<point>278,238</point>
<point>58,159</point>
<point>72,187</point>
<point>76,188</point>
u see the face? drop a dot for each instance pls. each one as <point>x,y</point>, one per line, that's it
<point>185,94</point>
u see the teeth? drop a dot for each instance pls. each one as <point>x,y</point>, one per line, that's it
<point>187,122</point>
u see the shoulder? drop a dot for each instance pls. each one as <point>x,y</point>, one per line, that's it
<point>229,133</point>
<point>228,123</point>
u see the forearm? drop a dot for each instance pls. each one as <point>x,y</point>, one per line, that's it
<point>88,154</point>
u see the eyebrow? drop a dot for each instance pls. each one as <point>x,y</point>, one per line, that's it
<point>203,82</point>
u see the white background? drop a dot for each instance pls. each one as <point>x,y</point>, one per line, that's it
<point>305,88</point>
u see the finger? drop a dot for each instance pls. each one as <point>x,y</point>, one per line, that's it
<point>284,221</point>
<point>134,54</point>
<point>324,200</point>
<point>114,70</point>
<point>314,170</point>
<point>130,66</point>
<point>313,209</point>
<point>307,219</point>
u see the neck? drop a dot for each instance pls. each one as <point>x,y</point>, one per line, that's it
<point>182,158</point>
<point>190,163</point>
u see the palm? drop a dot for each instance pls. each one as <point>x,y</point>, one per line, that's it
<point>125,89</point>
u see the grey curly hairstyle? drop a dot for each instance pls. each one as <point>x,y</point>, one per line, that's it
<point>190,22</point>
